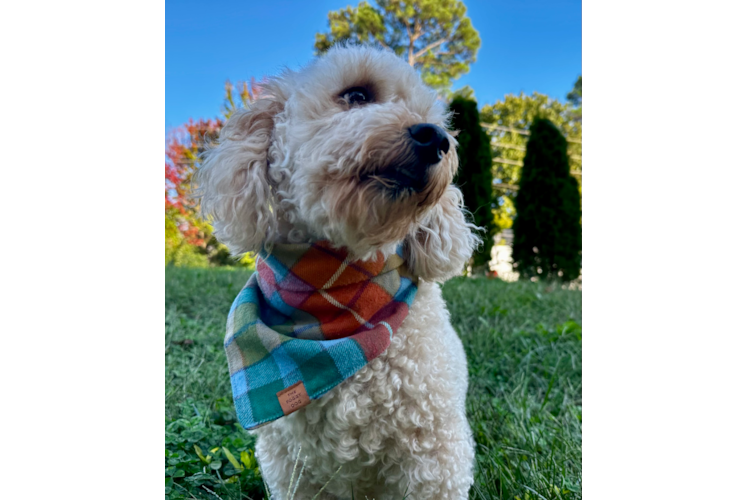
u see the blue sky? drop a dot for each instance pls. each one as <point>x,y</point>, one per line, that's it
<point>527,45</point>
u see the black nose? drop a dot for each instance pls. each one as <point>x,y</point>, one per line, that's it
<point>431,143</point>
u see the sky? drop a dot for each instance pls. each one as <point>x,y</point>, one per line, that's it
<point>526,45</point>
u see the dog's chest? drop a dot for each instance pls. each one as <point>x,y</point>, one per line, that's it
<point>401,404</point>
<point>418,378</point>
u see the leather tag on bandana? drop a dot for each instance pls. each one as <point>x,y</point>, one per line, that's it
<point>292,398</point>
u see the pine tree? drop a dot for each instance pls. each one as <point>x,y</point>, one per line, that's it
<point>436,37</point>
<point>548,227</point>
<point>474,176</point>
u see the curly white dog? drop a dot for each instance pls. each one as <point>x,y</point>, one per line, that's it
<point>353,150</point>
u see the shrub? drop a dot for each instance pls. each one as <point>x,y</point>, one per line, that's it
<point>548,228</point>
<point>474,176</point>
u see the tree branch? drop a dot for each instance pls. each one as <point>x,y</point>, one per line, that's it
<point>382,43</point>
<point>410,45</point>
<point>429,47</point>
<point>417,31</point>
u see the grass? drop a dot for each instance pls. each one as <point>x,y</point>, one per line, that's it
<point>524,349</point>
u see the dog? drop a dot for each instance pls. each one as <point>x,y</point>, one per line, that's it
<point>353,150</point>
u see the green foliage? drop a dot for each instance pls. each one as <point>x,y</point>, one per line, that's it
<point>189,239</point>
<point>183,252</point>
<point>178,251</point>
<point>518,112</point>
<point>435,36</point>
<point>465,92</point>
<point>524,404</point>
<point>239,96</point>
<point>199,456</point>
<point>523,342</point>
<point>575,96</point>
<point>548,227</point>
<point>202,434</point>
<point>474,176</point>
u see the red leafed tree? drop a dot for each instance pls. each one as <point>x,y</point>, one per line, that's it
<point>183,150</point>
<point>189,240</point>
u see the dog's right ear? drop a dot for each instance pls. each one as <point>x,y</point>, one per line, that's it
<point>443,241</point>
<point>232,182</point>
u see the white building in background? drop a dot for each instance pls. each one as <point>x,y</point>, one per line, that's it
<point>501,256</point>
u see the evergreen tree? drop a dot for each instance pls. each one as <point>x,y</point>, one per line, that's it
<point>474,176</point>
<point>548,227</point>
<point>518,112</point>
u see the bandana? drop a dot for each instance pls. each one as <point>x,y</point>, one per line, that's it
<point>306,320</point>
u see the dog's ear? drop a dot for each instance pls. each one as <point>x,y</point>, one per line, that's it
<point>232,182</point>
<point>443,241</point>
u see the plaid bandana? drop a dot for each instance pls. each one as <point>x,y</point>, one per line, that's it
<point>308,319</point>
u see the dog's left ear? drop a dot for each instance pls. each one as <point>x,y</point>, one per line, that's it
<point>443,241</point>
<point>233,182</point>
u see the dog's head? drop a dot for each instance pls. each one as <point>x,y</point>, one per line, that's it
<point>352,149</point>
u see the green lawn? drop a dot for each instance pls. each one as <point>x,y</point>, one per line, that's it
<point>524,347</point>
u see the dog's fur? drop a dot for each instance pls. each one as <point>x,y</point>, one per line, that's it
<point>302,164</point>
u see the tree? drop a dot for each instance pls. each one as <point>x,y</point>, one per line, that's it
<point>474,176</point>
<point>548,228</point>
<point>575,96</point>
<point>467,92</point>
<point>435,36</point>
<point>189,239</point>
<point>507,123</point>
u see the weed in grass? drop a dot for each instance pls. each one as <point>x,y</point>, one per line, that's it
<point>523,343</point>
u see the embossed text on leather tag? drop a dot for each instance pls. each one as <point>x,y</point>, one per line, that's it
<point>292,398</point>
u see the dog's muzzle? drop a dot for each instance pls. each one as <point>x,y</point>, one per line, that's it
<point>427,145</point>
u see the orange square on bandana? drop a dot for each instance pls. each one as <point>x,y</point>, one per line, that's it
<point>340,327</point>
<point>320,308</point>
<point>323,309</point>
<point>316,267</point>
<point>371,301</point>
<point>345,295</point>
<point>350,275</point>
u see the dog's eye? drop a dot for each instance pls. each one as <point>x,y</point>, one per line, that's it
<point>357,95</point>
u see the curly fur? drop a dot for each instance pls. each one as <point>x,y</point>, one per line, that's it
<point>301,164</point>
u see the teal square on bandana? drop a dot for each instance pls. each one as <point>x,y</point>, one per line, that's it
<point>263,373</point>
<point>301,350</point>
<point>244,411</point>
<point>264,401</point>
<point>348,357</point>
<point>319,374</point>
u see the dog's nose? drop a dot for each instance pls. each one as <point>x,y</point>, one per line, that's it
<point>431,143</point>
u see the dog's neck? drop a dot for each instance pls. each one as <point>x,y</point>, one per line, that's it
<point>292,232</point>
